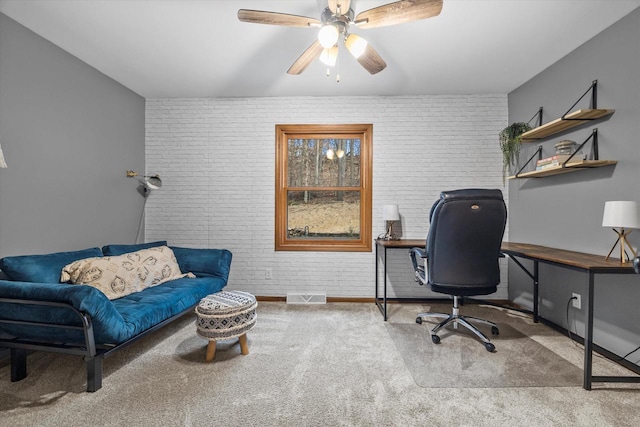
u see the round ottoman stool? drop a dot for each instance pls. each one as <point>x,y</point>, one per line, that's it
<point>223,315</point>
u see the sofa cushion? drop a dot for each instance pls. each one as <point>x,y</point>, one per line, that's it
<point>42,268</point>
<point>118,276</point>
<point>110,250</point>
<point>204,262</point>
<point>143,310</point>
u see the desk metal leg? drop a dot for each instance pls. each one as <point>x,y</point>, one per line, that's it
<point>533,277</point>
<point>536,295</point>
<point>588,336</point>
<point>384,272</point>
<point>376,261</point>
<point>382,307</point>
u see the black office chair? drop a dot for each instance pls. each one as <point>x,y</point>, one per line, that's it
<point>461,253</point>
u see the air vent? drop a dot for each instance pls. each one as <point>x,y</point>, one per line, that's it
<point>307,298</point>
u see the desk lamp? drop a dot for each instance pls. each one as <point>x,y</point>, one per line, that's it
<point>390,214</point>
<point>621,216</point>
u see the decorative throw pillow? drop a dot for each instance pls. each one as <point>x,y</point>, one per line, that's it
<point>118,276</point>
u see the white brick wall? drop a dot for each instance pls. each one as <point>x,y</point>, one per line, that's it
<point>216,158</point>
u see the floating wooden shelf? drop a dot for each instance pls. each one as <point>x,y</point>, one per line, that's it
<point>570,120</point>
<point>569,167</point>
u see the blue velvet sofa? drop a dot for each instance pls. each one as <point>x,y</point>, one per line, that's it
<point>39,313</point>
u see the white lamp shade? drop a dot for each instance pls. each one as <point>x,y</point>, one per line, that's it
<point>390,213</point>
<point>328,36</point>
<point>356,45</point>
<point>152,182</point>
<point>329,56</point>
<point>624,214</point>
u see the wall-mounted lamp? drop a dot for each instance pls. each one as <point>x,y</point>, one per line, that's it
<point>390,214</point>
<point>148,182</point>
<point>622,215</point>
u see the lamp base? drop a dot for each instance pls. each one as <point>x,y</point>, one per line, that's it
<point>390,234</point>
<point>622,240</point>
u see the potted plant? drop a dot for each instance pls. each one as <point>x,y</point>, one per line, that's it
<point>510,144</point>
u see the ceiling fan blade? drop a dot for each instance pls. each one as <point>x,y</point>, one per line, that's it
<point>345,5</point>
<point>399,12</point>
<point>308,56</point>
<point>365,54</point>
<point>276,18</point>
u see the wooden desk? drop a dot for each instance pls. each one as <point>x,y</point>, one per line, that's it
<point>381,248</point>
<point>588,263</point>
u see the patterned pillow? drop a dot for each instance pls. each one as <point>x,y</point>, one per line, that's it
<point>118,276</point>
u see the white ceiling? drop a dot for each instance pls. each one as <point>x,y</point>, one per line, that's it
<point>198,48</point>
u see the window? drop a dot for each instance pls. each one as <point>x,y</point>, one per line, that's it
<point>323,187</point>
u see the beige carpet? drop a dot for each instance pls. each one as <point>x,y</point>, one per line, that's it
<point>460,360</point>
<point>309,365</point>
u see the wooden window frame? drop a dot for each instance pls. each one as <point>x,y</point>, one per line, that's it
<point>285,243</point>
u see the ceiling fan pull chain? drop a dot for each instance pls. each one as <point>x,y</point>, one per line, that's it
<point>338,66</point>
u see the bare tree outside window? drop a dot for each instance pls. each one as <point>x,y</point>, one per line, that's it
<point>323,187</point>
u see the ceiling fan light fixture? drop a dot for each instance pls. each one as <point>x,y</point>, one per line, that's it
<point>329,56</point>
<point>328,36</point>
<point>356,45</point>
<point>335,20</point>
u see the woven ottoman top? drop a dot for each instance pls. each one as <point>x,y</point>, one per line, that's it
<point>226,314</point>
<point>225,302</point>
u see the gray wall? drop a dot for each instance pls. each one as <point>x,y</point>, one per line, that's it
<point>565,211</point>
<point>68,133</point>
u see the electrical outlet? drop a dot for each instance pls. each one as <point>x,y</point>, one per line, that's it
<point>577,301</point>
<point>268,273</point>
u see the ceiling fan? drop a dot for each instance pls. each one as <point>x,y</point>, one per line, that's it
<point>335,23</point>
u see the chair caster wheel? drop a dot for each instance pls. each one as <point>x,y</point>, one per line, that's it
<point>490,347</point>
<point>495,331</point>
<point>435,339</point>
<point>419,320</point>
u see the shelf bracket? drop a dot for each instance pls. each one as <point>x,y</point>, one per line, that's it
<point>594,147</point>
<point>594,100</point>
<point>537,153</point>
<point>539,115</point>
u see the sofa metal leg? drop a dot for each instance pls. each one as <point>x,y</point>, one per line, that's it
<point>18,364</point>
<point>94,373</point>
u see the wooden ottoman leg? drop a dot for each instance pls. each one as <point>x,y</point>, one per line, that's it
<point>211,351</point>
<point>244,348</point>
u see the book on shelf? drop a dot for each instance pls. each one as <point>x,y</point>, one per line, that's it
<point>556,160</point>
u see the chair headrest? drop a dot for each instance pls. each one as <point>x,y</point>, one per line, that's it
<point>466,194</point>
<point>472,193</point>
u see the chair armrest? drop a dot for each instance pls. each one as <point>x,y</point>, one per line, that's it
<point>416,252</point>
<point>419,269</point>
